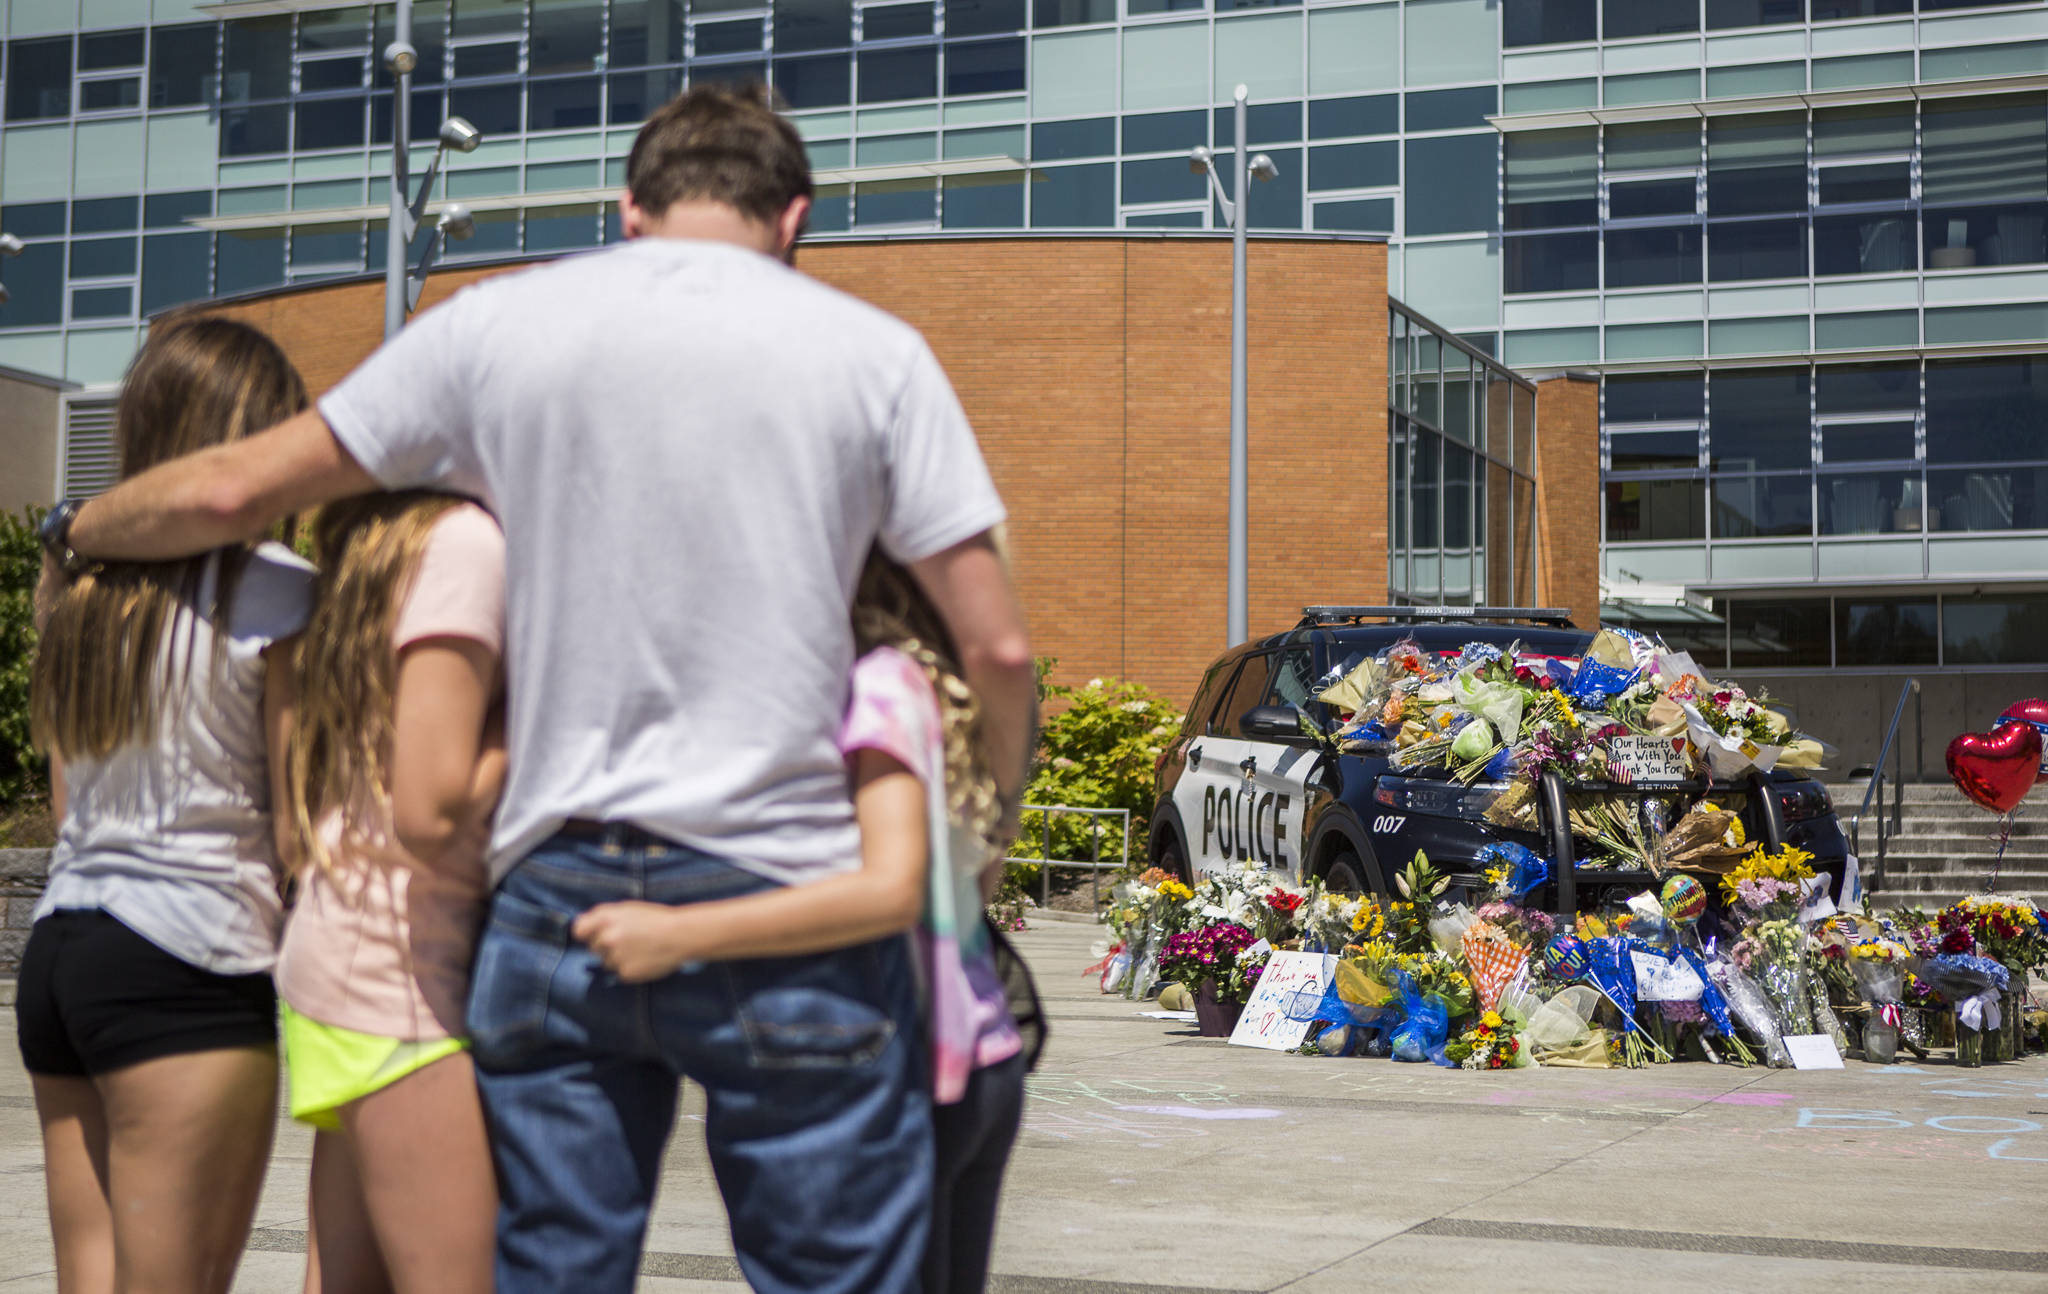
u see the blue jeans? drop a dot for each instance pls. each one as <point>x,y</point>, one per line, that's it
<point>819,1119</point>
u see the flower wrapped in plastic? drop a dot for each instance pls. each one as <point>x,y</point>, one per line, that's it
<point>1775,952</point>
<point>1973,983</point>
<point>1425,1026</point>
<point>1491,1043</point>
<point>1360,1004</point>
<point>1748,1003</point>
<point>1879,970</point>
<point>1493,962</point>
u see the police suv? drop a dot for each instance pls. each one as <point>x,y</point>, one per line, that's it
<point>1254,777</point>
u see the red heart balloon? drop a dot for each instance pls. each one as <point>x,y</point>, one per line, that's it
<point>1996,768</point>
<point>2032,710</point>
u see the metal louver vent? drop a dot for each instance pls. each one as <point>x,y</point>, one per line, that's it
<point>90,463</point>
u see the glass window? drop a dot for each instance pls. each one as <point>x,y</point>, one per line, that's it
<point>888,75</point>
<point>1451,109</point>
<point>982,202</point>
<point>1354,166</point>
<point>1165,179</point>
<point>896,21</point>
<point>1825,10</point>
<point>1447,42</point>
<point>1053,141</point>
<point>1751,507</point>
<point>1068,13</point>
<point>1659,254</point>
<point>746,73</point>
<point>983,17</point>
<point>1635,199</point>
<point>175,269</point>
<point>1753,13</point>
<point>1653,147</point>
<point>1870,503</point>
<point>560,229</point>
<point>1461,196</point>
<point>741,36</point>
<point>1655,399</point>
<point>1988,499</point>
<point>327,244</point>
<point>1373,114</point>
<point>1424,493</point>
<point>820,81</point>
<point>1163,220</point>
<point>1755,249</point>
<point>487,18</point>
<point>1775,635</point>
<point>635,94</point>
<point>1885,631</point>
<point>984,67</point>
<point>1981,630</point>
<point>35,285</point>
<point>1866,442</point>
<point>500,59</point>
<point>570,104</point>
<point>1623,18</point>
<point>1869,243</point>
<point>1073,197</point>
<point>331,123</point>
<point>1859,388</point>
<point>248,260</point>
<point>258,60</point>
<point>1851,132</point>
<point>429,36</point>
<point>111,95</point>
<point>492,109</point>
<point>1253,680</point>
<point>1984,182</point>
<point>169,210</point>
<point>102,303</point>
<point>1363,215</point>
<point>1656,511</point>
<point>1675,449</point>
<point>330,74</point>
<point>812,24</point>
<point>1552,178</point>
<point>424,122</point>
<point>647,31</point>
<point>99,50</point>
<point>39,79</point>
<point>1756,166</point>
<point>1264,123</point>
<point>1551,263</point>
<point>265,129</point>
<point>1986,411</point>
<point>1547,22</point>
<point>103,215</point>
<point>1869,182</point>
<point>1161,132</point>
<point>34,220</point>
<point>1140,7</point>
<point>98,258</point>
<point>1276,204</point>
<point>1757,418</point>
<point>180,65</point>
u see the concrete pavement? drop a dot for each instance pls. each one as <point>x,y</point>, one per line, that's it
<point>1154,1162</point>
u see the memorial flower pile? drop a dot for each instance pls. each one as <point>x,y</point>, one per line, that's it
<point>1218,956</point>
<point>1491,1043</point>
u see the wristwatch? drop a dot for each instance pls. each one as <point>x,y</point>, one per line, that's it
<point>55,533</point>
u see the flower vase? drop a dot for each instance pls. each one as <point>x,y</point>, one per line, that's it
<point>1215,1018</point>
<point>1880,1041</point>
<point>2014,1009</point>
<point>1969,1046</point>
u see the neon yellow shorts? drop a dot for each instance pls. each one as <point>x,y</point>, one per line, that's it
<point>327,1067</point>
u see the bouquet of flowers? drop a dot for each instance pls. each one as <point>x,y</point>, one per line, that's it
<point>1251,896</point>
<point>1327,921</point>
<point>1144,913</point>
<point>1879,969</point>
<point>1748,1003</point>
<point>1775,952</point>
<point>1767,887</point>
<point>2007,930</point>
<point>1492,1043</point>
<point>1215,954</point>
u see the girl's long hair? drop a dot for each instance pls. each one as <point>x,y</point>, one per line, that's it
<point>890,609</point>
<point>105,668</point>
<point>368,550</point>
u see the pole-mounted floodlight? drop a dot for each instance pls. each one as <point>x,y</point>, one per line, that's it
<point>401,293</point>
<point>1202,161</point>
<point>454,225</point>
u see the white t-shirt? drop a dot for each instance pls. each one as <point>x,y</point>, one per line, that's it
<point>173,838</point>
<point>691,448</point>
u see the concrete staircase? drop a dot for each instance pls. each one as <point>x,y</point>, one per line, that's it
<point>1945,846</point>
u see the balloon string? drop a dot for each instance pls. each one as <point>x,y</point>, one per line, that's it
<point>2004,837</point>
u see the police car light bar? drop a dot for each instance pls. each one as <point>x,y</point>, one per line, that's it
<point>1340,614</point>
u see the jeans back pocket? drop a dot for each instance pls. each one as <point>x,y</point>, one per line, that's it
<point>825,1011</point>
<point>522,947</point>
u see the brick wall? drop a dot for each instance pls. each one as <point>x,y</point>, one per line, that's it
<point>1097,374</point>
<point>1567,490</point>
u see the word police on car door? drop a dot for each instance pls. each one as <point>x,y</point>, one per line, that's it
<point>1242,799</point>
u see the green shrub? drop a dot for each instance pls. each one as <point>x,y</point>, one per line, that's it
<point>1098,749</point>
<point>23,776</point>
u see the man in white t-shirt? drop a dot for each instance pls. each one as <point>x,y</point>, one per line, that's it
<point>691,448</point>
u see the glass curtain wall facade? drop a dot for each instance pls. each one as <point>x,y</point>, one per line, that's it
<point>1753,200</point>
<point>1461,501</point>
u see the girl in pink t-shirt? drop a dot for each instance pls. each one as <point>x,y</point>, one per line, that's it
<point>928,813</point>
<point>396,761</point>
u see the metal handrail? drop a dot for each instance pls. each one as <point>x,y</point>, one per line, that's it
<point>1876,787</point>
<point>1093,864</point>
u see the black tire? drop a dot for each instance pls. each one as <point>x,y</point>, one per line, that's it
<point>1170,860</point>
<point>1345,874</point>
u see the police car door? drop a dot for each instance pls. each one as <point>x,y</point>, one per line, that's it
<point>1240,798</point>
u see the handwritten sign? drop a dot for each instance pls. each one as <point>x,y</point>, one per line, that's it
<point>1647,761</point>
<point>1665,979</point>
<point>1291,982</point>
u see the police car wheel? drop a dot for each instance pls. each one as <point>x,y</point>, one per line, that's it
<point>1171,862</point>
<point>1344,875</point>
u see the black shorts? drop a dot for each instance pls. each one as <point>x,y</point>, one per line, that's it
<point>94,996</point>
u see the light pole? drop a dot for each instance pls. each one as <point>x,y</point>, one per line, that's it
<point>1203,161</point>
<point>400,294</point>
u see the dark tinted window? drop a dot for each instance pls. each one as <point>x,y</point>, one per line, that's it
<point>1246,691</point>
<point>888,75</point>
<point>39,79</point>
<point>1294,680</point>
<point>1164,179</point>
<point>103,215</point>
<point>258,59</point>
<point>35,286</point>
<point>741,37</point>
<point>823,81</point>
<point>501,59</point>
<point>1362,215</point>
<point>1660,254</point>
<point>1758,418</point>
<point>1768,635</point>
<point>1756,249</point>
<point>175,268</point>
<point>1884,631</point>
<point>1377,114</point>
<point>1276,204</point>
<point>1066,13</point>
<point>983,17</point>
<point>635,94</point>
<point>102,303</point>
<point>1758,166</point>
<point>1073,197</point>
<point>1655,399</point>
<point>1053,141</point>
<point>1655,451</point>
<point>1161,132</point>
<point>812,24</point>
<point>265,129</point>
<point>1656,510</point>
<point>1854,388</point>
<point>1753,13</point>
<point>894,22</point>
<point>1551,262</point>
<point>972,202</point>
<point>1450,109</point>
<point>1870,243</point>
<point>2010,630</point>
<point>1986,410</point>
<point>565,37</point>
<point>1264,123</point>
<point>33,219</point>
<point>247,260</point>
<point>1649,17</point>
<point>984,67</point>
<point>331,123</point>
<point>1464,181</point>
<point>1547,22</point>
<point>96,258</point>
<point>165,210</point>
<point>104,49</point>
<point>1354,166</point>
<point>1752,507</point>
<point>648,31</point>
<point>180,65</point>
<point>493,109</point>
<point>563,105</point>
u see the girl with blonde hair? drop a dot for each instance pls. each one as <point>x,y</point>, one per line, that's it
<point>145,1011</point>
<point>929,821</point>
<point>396,759</point>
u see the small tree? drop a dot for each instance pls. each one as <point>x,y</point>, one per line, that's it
<point>23,775</point>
